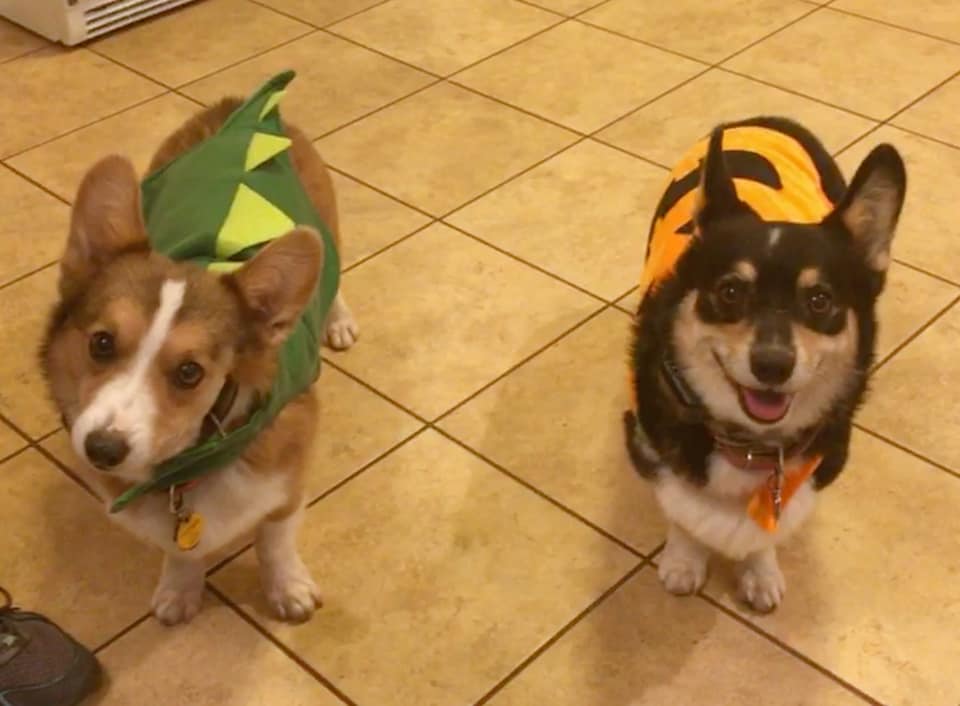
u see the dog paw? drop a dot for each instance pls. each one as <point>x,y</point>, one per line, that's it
<point>293,596</point>
<point>172,606</point>
<point>681,574</point>
<point>342,330</point>
<point>762,587</point>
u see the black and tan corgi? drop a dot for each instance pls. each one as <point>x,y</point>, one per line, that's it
<point>753,339</point>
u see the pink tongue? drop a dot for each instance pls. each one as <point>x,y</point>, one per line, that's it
<point>764,405</point>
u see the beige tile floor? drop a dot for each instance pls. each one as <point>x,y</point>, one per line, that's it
<point>477,532</point>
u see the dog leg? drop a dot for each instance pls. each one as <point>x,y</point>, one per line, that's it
<point>762,584</point>
<point>342,329</point>
<point>179,593</point>
<point>290,590</point>
<point>682,567</point>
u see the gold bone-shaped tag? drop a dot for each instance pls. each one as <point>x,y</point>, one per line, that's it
<point>189,529</point>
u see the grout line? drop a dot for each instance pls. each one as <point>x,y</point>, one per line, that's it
<point>543,495</point>
<point>69,472</point>
<point>521,260</point>
<point>793,652</point>
<point>579,133</point>
<point>486,386</point>
<point>929,138</point>
<point>13,155</point>
<point>27,53</point>
<point>333,364</point>
<point>533,656</point>
<point>892,25</point>
<point>290,653</point>
<point>595,137</point>
<point>313,24</point>
<point>370,113</point>
<point>644,42</point>
<point>906,449</point>
<point>815,9</point>
<point>380,191</point>
<point>330,31</point>
<point>389,246</point>
<point>130,628</point>
<point>928,273</point>
<point>27,275</point>
<point>912,337</point>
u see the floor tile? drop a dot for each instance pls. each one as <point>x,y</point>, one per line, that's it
<point>445,146</point>
<point>30,216</point>
<point>579,76</point>
<point>198,39</point>
<point>873,81</point>
<point>217,659</point>
<point>23,394</point>
<point>709,32</point>
<point>10,441</point>
<point>926,235</point>
<point>15,40</point>
<point>68,560</point>
<point>911,400</point>
<point>370,221</point>
<point>935,115</point>
<point>319,99</point>
<point>909,301</point>
<point>137,133</point>
<point>320,12</point>
<point>443,36</point>
<point>554,422</point>
<point>443,315</point>
<point>582,215</point>
<point>354,428</point>
<point>434,568</point>
<point>936,17</point>
<point>871,587</point>
<point>663,131</point>
<point>642,647</point>
<point>39,105</point>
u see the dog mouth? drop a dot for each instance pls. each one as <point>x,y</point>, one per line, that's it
<point>764,406</point>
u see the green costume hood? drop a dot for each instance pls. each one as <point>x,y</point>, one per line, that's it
<point>217,205</point>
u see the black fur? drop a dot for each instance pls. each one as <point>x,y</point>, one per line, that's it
<point>731,232</point>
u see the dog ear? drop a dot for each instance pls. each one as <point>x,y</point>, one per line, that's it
<point>717,196</point>
<point>106,221</point>
<point>278,281</point>
<point>871,207</point>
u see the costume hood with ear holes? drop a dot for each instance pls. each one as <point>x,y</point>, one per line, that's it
<point>217,205</point>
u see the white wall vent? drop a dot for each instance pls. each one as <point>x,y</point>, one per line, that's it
<point>75,21</point>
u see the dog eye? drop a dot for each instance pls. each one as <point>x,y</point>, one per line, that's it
<point>819,301</point>
<point>731,291</point>
<point>102,346</point>
<point>188,375</point>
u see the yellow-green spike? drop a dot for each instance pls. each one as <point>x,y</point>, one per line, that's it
<point>252,220</point>
<point>271,103</point>
<point>263,147</point>
<point>224,267</point>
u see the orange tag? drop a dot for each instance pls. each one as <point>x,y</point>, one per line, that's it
<point>760,507</point>
<point>189,530</point>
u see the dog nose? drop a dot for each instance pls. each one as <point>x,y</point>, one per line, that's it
<point>772,364</point>
<point>105,448</point>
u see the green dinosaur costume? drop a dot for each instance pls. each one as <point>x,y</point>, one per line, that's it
<point>217,205</point>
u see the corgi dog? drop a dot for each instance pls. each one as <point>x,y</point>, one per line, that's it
<point>143,351</point>
<point>753,341</point>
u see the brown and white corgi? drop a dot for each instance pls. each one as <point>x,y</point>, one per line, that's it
<point>753,340</point>
<point>140,348</point>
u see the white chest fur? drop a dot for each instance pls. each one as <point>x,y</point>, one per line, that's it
<point>232,502</point>
<point>716,514</point>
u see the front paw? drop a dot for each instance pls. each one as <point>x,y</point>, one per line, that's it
<point>682,574</point>
<point>762,587</point>
<point>292,595</point>
<point>172,606</point>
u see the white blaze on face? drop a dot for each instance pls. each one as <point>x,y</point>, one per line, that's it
<point>126,404</point>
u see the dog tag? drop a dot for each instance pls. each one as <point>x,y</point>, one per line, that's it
<point>189,529</point>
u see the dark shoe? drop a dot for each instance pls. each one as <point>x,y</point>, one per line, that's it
<point>40,665</point>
